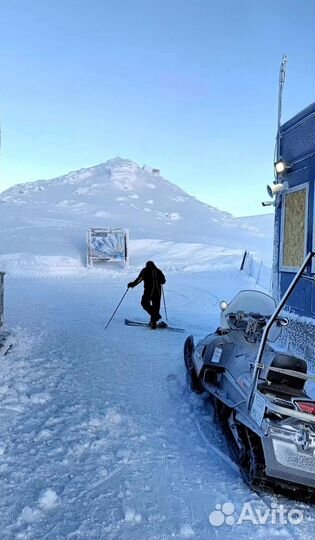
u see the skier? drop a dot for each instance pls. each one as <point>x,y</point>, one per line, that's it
<point>153,279</point>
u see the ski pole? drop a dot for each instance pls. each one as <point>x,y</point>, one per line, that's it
<point>164,303</point>
<point>116,310</point>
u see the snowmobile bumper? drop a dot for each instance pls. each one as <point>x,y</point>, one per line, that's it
<point>290,454</point>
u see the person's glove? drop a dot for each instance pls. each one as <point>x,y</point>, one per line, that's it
<point>130,285</point>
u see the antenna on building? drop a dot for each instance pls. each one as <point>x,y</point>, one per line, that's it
<point>282,74</point>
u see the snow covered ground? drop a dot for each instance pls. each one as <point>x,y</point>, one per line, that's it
<point>100,437</point>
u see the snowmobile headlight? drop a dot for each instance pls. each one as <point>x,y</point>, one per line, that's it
<point>223,305</point>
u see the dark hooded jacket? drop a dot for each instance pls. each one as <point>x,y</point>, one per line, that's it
<point>152,278</point>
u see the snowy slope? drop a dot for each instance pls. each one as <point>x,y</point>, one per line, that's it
<point>263,222</point>
<point>43,223</point>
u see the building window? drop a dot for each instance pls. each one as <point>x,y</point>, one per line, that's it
<point>294,228</point>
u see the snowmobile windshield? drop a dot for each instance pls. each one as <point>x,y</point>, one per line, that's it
<point>251,302</point>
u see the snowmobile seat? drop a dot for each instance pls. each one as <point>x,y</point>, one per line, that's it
<point>280,390</point>
<point>286,361</point>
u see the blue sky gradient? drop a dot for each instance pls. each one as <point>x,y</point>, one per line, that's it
<point>188,86</point>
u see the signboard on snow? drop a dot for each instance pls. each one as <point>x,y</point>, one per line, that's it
<point>107,245</point>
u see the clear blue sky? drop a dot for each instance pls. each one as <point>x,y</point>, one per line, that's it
<point>189,86</point>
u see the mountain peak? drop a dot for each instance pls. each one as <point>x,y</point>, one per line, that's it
<point>117,193</point>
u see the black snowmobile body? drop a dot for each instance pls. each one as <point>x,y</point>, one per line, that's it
<point>267,416</point>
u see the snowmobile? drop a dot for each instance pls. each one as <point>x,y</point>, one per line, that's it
<point>259,394</point>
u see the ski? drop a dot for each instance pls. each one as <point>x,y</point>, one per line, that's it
<point>158,326</point>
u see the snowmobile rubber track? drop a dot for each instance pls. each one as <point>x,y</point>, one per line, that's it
<point>256,477</point>
<point>128,322</point>
<point>267,483</point>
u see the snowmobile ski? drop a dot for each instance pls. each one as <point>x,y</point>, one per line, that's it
<point>159,326</point>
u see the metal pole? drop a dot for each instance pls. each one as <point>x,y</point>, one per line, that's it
<point>116,310</point>
<point>243,260</point>
<point>164,303</point>
<point>2,274</point>
<point>272,319</point>
<point>282,74</point>
<point>258,273</point>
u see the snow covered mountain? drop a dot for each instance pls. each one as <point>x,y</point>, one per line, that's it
<point>43,223</point>
<point>261,222</point>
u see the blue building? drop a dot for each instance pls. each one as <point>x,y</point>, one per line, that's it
<point>295,225</point>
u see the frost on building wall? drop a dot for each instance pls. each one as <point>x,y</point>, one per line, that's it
<point>298,338</point>
<point>107,246</point>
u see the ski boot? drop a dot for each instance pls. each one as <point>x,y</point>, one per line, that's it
<point>162,324</point>
<point>152,324</point>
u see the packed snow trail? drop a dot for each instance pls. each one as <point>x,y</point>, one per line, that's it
<point>100,437</point>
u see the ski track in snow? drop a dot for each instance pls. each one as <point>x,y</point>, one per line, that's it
<point>100,436</point>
